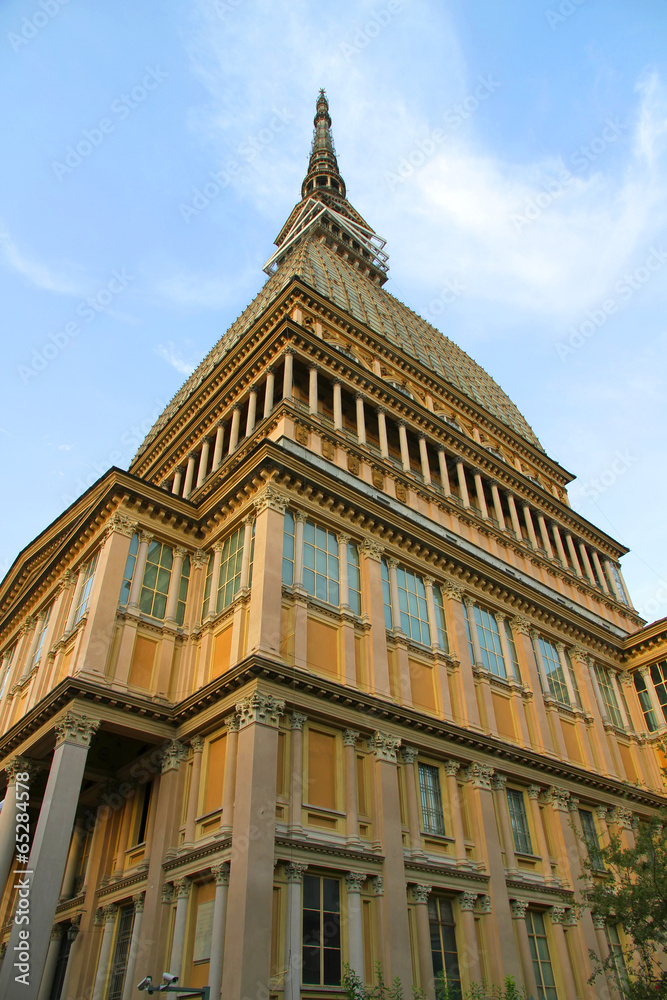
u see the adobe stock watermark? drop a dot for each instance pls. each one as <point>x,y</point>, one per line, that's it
<point>452,119</point>
<point>560,14</point>
<point>225,7</point>
<point>376,23</point>
<point>451,290</point>
<point>88,310</point>
<point>121,107</point>
<point>627,286</point>
<point>619,465</point>
<point>247,151</point>
<point>31,26</point>
<point>555,187</point>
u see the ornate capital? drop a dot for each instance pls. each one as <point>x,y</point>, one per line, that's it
<point>109,912</point>
<point>519,907</point>
<point>421,892</point>
<point>16,765</point>
<point>231,724</point>
<point>199,559</point>
<point>428,581</point>
<point>183,887</point>
<point>601,812</point>
<point>521,625</point>
<point>409,754</point>
<point>295,871</point>
<point>298,721</point>
<point>498,782</point>
<point>300,516</point>
<point>261,708</point>
<point>221,873</point>
<point>598,921</point>
<point>580,653</point>
<point>56,932</point>
<point>344,539</point>
<point>197,743</point>
<point>77,729</point>
<point>372,549</point>
<point>623,817</point>
<point>573,804</point>
<point>452,768</point>
<point>138,901</point>
<point>167,892</point>
<point>557,914</point>
<point>270,498</point>
<point>452,590</point>
<point>180,552</point>
<point>392,562</point>
<point>384,746</point>
<point>467,900</point>
<point>378,885</point>
<point>533,791</point>
<point>171,756</point>
<point>121,524</point>
<point>354,881</point>
<point>146,536</point>
<point>350,737</point>
<point>558,798</point>
<point>480,775</point>
<point>485,904</point>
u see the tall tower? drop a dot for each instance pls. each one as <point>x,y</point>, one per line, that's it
<point>332,674</point>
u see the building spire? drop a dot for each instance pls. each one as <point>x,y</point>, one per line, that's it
<point>323,173</point>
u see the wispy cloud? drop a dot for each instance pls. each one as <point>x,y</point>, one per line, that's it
<point>38,274</point>
<point>169,353</point>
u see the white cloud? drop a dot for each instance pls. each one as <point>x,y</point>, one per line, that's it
<point>169,353</point>
<point>38,274</point>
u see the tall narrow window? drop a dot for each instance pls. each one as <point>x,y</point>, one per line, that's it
<point>645,702</point>
<point>440,620</point>
<point>539,951</point>
<point>288,549</point>
<point>121,952</point>
<point>431,799</point>
<point>40,639</point>
<point>554,671</point>
<point>616,952</point>
<point>321,964</point>
<point>86,587</point>
<point>142,815</point>
<point>231,560</point>
<point>155,584</point>
<point>183,591</point>
<point>608,696</point>
<point>6,667</point>
<point>573,677</point>
<point>320,563</point>
<point>519,821</point>
<point>512,647</point>
<point>618,581</point>
<point>386,596</point>
<point>412,606</point>
<point>130,563</point>
<point>659,678</point>
<point>489,642</point>
<point>443,943</point>
<point>353,578</point>
<point>591,839</point>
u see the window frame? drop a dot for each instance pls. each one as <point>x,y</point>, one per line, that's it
<point>545,991</point>
<point>430,799</point>
<point>88,569</point>
<point>327,591</point>
<point>435,903</point>
<point>412,605</point>
<point>321,946</point>
<point>519,822</point>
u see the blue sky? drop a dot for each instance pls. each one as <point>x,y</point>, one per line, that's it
<point>513,155</point>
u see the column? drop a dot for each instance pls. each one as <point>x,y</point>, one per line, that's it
<point>106,916</point>
<point>370,552</point>
<point>612,579</point>
<point>355,933</point>
<point>361,417</point>
<point>218,447</point>
<point>452,768</point>
<point>51,843</point>
<point>145,538</point>
<point>343,541</point>
<point>299,522</point>
<point>409,755</point>
<point>50,964</point>
<point>420,894</point>
<point>18,769</point>
<point>215,578</point>
<point>197,744</point>
<point>382,431</point>
<point>123,838</point>
<point>297,722</point>
<point>248,523</point>
<point>221,875</point>
<point>544,680</point>
<point>183,887</point>
<point>251,882</point>
<point>288,374</point>
<point>405,451</point>
<point>476,648</point>
<point>202,468</point>
<point>312,390</point>
<point>569,541</point>
<point>67,890</point>
<point>269,391</point>
<point>514,515</point>
<point>294,872</point>
<point>546,541</point>
<point>75,600</point>
<point>393,586</point>
<point>603,948</point>
<point>235,428</point>
<point>530,527</point>
<point>470,962</point>
<point>598,693</point>
<point>498,783</point>
<point>175,584</point>
<point>396,932</point>
<point>129,986</point>
<point>264,614</point>
<point>32,649</point>
<point>557,914</point>
<point>481,499</point>
<point>601,813</point>
<point>559,545</point>
<point>432,619</point>
<point>497,506</point>
<point>350,737</point>
<point>229,784</point>
<point>566,674</point>
<point>600,572</point>
<point>519,908</point>
<point>463,484</point>
<point>176,485</point>
<point>468,706</point>
<point>189,475</point>
<point>338,404</point>
<point>538,826</point>
<point>251,417</point>
<point>587,564</point>
<point>444,474</point>
<point>423,456</point>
